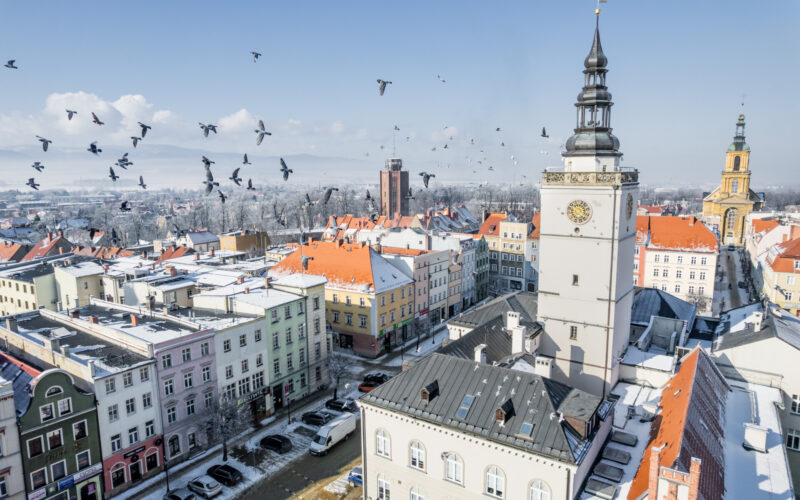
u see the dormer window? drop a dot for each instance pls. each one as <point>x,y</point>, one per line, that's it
<point>429,392</point>
<point>506,411</point>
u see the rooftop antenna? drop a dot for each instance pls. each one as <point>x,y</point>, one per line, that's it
<point>741,105</point>
<point>394,141</point>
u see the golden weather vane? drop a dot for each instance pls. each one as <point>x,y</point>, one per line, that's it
<point>597,9</point>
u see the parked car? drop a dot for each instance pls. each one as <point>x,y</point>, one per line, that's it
<point>341,405</point>
<point>339,429</point>
<point>368,385</point>
<point>277,443</point>
<point>378,377</point>
<point>205,486</point>
<point>742,284</point>
<point>356,477</point>
<point>317,418</point>
<point>225,474</point>
<point>180,494</point>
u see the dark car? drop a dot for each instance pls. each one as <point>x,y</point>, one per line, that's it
<point>368,385</point>
<point>742,284</point>
<point>277,443</point>
<point>376,377</point>
<point>341,405</point>
<point>317,418</point>
<point>225,474</point>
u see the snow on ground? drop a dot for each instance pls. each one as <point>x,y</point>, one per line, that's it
<point>727,298</point>
<point>339,486</point>
<point>748,473</point>
<point>647,359</point>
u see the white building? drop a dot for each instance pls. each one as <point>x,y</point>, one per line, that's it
<point>12,483</point>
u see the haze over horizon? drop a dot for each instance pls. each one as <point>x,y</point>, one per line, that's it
<point>677,73</point>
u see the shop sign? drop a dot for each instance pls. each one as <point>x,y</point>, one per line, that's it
<point>134,452</point>
<point>252,396</point>
<point>79,476</point>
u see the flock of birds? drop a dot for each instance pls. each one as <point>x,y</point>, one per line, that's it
<point>261,133</point>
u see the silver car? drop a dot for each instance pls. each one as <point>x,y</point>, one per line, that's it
<point>205,486</point>
<point>180,494</point>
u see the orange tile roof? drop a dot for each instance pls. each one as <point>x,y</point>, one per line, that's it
<point>403,251</point>
<point>535,223</point>
<point>50,245</point>
<point>677,233</point>
<point>692,408</point>
<point>784,260</point>
<point>33,372</point>
<point>346,266</point>
<point>642,229</point>
<point>764,225</point>
<point>651,209</point>
<point>491,225</point>
<point>11,251</point>
<point>173,253</point>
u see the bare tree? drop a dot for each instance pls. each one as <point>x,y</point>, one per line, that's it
<point>227,419</point>
<point>338,367</point>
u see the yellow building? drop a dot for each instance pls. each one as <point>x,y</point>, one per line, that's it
<point>26,288</point>
<point>782,275</point>
<point>369,303</point>
<point>251,242</point>
<point>728,205</point>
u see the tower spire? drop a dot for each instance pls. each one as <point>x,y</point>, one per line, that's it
<point>738,140</point>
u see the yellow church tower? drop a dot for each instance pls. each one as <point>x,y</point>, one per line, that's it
<point>728,205</point>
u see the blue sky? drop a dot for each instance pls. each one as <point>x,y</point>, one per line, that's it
<point>677,73</point>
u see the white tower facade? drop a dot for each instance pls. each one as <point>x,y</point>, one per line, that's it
<point>587,243</point>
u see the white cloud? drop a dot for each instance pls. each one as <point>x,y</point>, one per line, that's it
<point>239,121</point>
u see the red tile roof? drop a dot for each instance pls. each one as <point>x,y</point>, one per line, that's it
<point>536,221</point>
<point>787,254</point>
<point>491,225</point>
<point>51,245</point>
<point>691,424</point>
<point>675,233</point>
<point>764,225</point>
<point>402,251</point>
<point>174,252</point>
<point>651,209</point>
<point>6,358</point>
<point>11,251</point>
<point>102,252</point>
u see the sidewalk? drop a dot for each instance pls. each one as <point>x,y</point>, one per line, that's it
<point>157,483</point>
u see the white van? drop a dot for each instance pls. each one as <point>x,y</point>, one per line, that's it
<point>342,427</point>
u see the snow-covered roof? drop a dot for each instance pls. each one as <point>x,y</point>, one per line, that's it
<point>648,359</point>
<point>300,280</point>
<point>83,269</point>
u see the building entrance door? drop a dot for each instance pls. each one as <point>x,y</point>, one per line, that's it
<point>136,471</point>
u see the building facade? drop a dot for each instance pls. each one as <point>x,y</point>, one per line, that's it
<point>394,189</point>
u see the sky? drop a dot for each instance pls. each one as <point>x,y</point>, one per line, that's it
<point>678,72</point>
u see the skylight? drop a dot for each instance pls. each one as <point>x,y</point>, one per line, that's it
<point>464,408</point>
<point>526,430</point>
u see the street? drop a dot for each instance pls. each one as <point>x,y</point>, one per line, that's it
<point>305,471</point>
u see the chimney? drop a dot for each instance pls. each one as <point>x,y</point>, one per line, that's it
<point>140,264</point>
<point>49,237</point>
<point>310,240</point>
<point>512,320</point>
<point>93,319</point>
<point>65,351</point>
<point>134,320</point>
<point>152,267</point>
<point>518,340</point>
<point>506,411</point>
<point>61,251</point>
<point>652,482</point>
<point>75,314</point>
<point>543,366</point>
<point>211,252</point>
<point>11,324</point>
<point>339,243</point>
<point>105,268</point>
<point>240,279</point>
<point>247,290</point>
<point>480,353</point>
<point>172,271</point>
<point>694,478</point>
<point>60,233</point>
<point>197,256</point>
<point>144,255</point>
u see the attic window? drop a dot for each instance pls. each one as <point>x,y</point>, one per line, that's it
<point>526,430</point>
<point>465,405</point>
<point>506,411</point>
<point>429,392</point>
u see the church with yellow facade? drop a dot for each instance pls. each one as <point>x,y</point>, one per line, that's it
<point>728,205</point>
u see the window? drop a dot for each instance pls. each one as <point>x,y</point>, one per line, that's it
<point>174,446</point>
<point>383,444</point>
<point>316,326</point>
<point>172,414</point>
<point>573,332</point>
<point>245,366</point>
<point>663,287</point>
<point>257,336</point>
<point>317,350</point>
<point>691,289</point>
<point>300,308</point>
<point>204,349</point>
<point>166,361</point>
<point>116,442</point>
<point>795,403</point>
<point>133,435</point>
<point>111,385</point>
<point>276,366</point>
<point>46,412</point>
<point>680,259</point>
<point>188,380</point>
<point>190,406</point>
<point>539,490</point>
<point>703,261</point>
<point>318,373</point>
<point>58,470</point>
<point>274,315</point>
<point>362,302</point>
<point>226,346</point>
<point>665,273</point>
<point>149,428</point>
<point>301,331</point>
<point>737,162</point>
<point>186,354</point>
<point>316,303</point>
<point>417,455</point>
<point>701,290</point>
<point>208,399</point>
<point>130,406</point>
<point>289,336</point>
<point>35,446</point>
<point>127,379</point>
<point>677,288</point>
<point>287,312</point>
<point>383,300</point>
<point>169,387</point>
<point>118,476</point>
<point>383,487</point>
<point>692,275</point>
<point>54,439</point>
<point>147,400</point>
<point>206,373</point>
<point>229,371</point>
<point>275,340</point>
<point>242,340</point>
<point>495,482</point>
<point>289,362</point>
<point>83,459</point>
<point>679,273</point>
<point>144,374</point>
<point>575,280</point>
<point>465,405</point>
<point>362,321</point>
<point>348,318</point>
<point>656,258</point>
<point>347,300</point>
<point>416,495</point>
<point>735,184</point>
<point>335,316</point>
<point>454,469</point>
<point>383,319</point>
<point>113,413</point>
<point>793,439</point>
<point>79,430</point>
<point>258,381</point>
<point>301,355</point>
<point>53,391</point>
<point>39,478</point>
<point>391,315</point>
<point>693,260</point>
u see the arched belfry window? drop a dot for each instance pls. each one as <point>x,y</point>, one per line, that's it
<point>737,160</point>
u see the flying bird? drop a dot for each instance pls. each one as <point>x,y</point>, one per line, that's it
<point>382,86</point>
<point>135,140</point>
<point>497,129</point>
<point>114,237</point>
<point>235,177</point>
<point>426,177</point>
<point>112,175</point>
<point>209,182</point>
<point>96,120</point>
<point>45,142</point>
<point>327,195</point>
<point>256,55</point>
<point>32,183</point>
<point>206,162</point>
<point>261,132</point>
<point>440,78</point>
<point>10,64</point>
<point>145,128</point>
<point>222,196</point>
<point>37,166</point>
<point>208,128</point>
<point>124,162</point>
<point>93,148</point>
<point>305,259</point>
<point>70,114</point>
<point>503,144</point>
<point>125,206</point>
<point>141,183</point>
<point>544,133</point>
<point>369,196</point>
<point>246,162</point>
<point>396,128</point>
<point>286,170</point>
<point>250,185</point>
<point>308,202</point>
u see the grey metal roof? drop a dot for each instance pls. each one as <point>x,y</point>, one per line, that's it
<point>525,303</point>
<point>493,334</point>
<point>533,398</point>
<point>20,381</point>
<point>784,327</point>
<point>648,302</point>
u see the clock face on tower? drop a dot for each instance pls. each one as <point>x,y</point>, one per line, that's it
<point>629,207</point>
<point>579,211</point>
